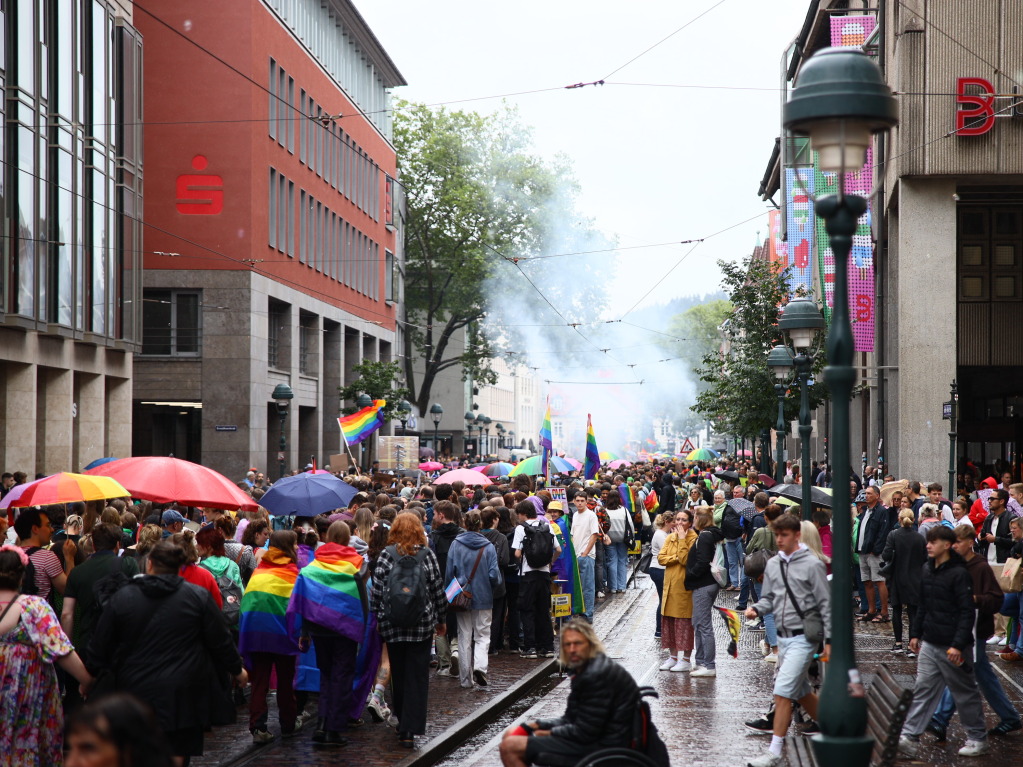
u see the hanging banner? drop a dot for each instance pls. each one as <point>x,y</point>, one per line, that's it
<point>799,185</point>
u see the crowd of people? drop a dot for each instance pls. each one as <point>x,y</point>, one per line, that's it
<point>347,614</point>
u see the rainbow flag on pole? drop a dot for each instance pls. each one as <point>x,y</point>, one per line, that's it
<point>357,426</point>
<point>546,441</point>
<point>592,454</point>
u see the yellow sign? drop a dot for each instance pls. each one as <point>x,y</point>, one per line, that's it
<point>637,547</point>
<point>561,605</point>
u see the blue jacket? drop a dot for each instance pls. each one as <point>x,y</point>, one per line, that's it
<point>876,534</point>
<point>462,557</point>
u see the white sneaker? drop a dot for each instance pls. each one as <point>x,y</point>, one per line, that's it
<point>994,639</point>
<point>392,721</point>
<point>908,746</point>
<point>667,665</point>
<point>975,748</point>
<point>767,759</point>
<point>701,671</point>
<point>765,648</point>
<point>682,665</point>
<point>752,623</point>
<point>771,657</point>
<point>1003,641</point>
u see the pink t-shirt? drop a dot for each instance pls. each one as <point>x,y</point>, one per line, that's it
<point>47,566</point>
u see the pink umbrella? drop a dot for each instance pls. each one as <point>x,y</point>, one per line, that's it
<point>468,476</point>
<point>620,463</point>
<point>577,464</point>
<point>431,466</point>
<point>317,471</point>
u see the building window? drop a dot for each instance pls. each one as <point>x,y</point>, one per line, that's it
<point>277,344</point>
<point>272,217</point>
<point>390,276</point>
<point>272,111</point>
<point>308,347</point>
<point>170,323</point>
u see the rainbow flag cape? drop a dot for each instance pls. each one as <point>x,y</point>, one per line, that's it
<point>262,625</point>
<point>731,619</point>
<point>629,502</point>
<point>327,593</point>
<point>592,454</point>
<point>357,426</point>
<point>546,441</point>
<point>566,566</point>
<point>652,503</point>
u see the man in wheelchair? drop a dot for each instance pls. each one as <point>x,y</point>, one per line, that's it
<point>600,714</point>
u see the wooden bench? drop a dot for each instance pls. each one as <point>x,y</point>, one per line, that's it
<point>887,706</point>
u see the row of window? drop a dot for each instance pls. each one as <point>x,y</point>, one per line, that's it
<point>316,24</point>
<point>326,242</point>
<point>322,144</point>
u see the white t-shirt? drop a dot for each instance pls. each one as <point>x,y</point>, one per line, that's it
<point>520,536</point>
<point>656,544</point>
<point>584,526</point>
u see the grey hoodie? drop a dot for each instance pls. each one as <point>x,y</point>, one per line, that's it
<point>808,580</point>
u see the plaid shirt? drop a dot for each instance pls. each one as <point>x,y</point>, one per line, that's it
<point>380,597</point>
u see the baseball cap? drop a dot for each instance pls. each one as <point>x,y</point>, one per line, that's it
<point>171,517</point>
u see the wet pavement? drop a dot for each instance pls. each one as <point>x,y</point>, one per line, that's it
<point>700,720</point>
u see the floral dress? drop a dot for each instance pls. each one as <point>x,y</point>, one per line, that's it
<point>31,719</point>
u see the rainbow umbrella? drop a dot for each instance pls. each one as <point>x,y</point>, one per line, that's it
<point>64,487</point>
<point>607,455</point>
<point>531,466</point>
<point>499,469</point>
<point>577,465</point>
<point>702,454</point>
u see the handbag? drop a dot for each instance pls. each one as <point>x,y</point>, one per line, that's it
<point>1011,576</point>
<point>717,566</point>
<point>463,599</point>
<point>645,560</point>
<point>813,621</point>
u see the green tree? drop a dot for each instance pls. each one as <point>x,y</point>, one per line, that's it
<point>738,393</point>
<point>378,380</point>
<point>478,200</point>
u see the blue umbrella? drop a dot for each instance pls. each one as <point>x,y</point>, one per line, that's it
<point>98,462</point>
<point>307,495</point>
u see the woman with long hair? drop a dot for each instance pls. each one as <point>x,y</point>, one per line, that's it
<point>905,553</point>
<point>409,645</point>
<point>700,581</point>
<point>677,635</point>
<point>263,636</point>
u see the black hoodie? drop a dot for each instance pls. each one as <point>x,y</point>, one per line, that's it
<point>698,572</point>
<point>440,542</point>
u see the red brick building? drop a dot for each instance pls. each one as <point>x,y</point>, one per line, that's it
<point>273,251</point>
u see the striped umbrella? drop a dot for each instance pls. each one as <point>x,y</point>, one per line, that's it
<point>64,487</point>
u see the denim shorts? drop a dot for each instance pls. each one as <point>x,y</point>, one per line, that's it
<point>794,657</point>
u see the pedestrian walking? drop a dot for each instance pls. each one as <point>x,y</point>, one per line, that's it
<point>700,581</point>
<point>409,619</point>
<point>677,635</point>
<point>942,637</point>
<point>871,536</point>
<point>489,518</point>
<point>796,590</point>
<point>585,537</point>
<point>534,544</point>
<point>904,555</point>
<point>618,550</point>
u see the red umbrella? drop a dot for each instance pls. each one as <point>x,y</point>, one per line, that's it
<point>767,480</point>
<point>166,480</point>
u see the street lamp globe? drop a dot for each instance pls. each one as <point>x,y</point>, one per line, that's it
<point>801,321</point>
<point>363,401</point>
<point>282,396</point>
<point>469,417</point>
<point>436,413</point>
<point>780,361</point>
<point>840,99</point>
<point>404,408</point>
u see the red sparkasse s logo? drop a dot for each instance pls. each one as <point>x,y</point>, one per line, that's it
<point>199,194</point>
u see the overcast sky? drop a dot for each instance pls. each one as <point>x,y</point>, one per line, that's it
<point>655,164</point>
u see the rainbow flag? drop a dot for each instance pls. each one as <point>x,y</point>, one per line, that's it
<point>566,566</point>
<point>357,426</point>
<point>327,593</point>
<point>731,619</point>
<point>592,454</point>
<point>546,441</point>
<point>629,502</point>
<point>262,625</point>
<point>652,503</point>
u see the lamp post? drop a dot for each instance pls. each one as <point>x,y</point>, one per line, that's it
<point>499,428</point>
<point>404,409</point>
<point>779,359</point>
<point>481,420</point>
<point>839,100</point>
<point>952,415</point>
<point>801,321</point>
<point>282,396</point>
<point>486,434</point>
<point>470,419</point>
<point>436,413</point>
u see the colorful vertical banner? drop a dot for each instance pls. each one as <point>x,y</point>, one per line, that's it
<point>777,249</point>
<point>799,185</point>
<point>861,259</point>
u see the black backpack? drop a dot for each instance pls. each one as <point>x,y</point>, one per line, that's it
<point>731,523</point>
<point>231,597</point>
<point>28,583</point>
<point>537,545</point>
<point>406,584</point>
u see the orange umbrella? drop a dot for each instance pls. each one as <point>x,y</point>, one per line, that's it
<point>66,487</point>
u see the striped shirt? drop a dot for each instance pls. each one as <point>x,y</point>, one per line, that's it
<point>47,566</point>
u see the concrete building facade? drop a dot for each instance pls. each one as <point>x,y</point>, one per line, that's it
<point>275,255</point>
<point>70,269</point>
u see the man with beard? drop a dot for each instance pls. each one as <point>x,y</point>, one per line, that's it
<point>599,714</point>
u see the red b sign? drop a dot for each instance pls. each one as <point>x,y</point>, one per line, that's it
<point>199,194</point>
<point>978,116</point>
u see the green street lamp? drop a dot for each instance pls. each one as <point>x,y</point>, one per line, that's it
<point>404,409</point>
<point>950,412</point>
<point>363,401</point>
<point>481,422</point>
<point>470,419</point>
<point>779,360</point>
<point>282,396</point>
<point>801,321</point>
<point>436,413</point>
<point>840,99</point>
